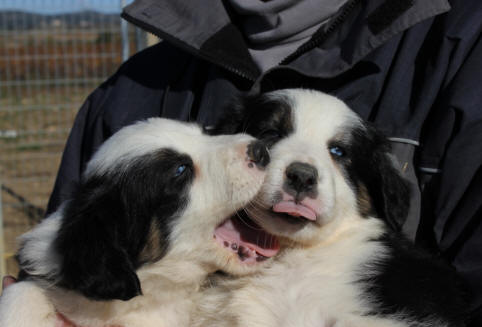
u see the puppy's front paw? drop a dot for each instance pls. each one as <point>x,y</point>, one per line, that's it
<point>25,305</point>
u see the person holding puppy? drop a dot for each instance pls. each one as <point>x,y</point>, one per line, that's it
<point>412,67</point>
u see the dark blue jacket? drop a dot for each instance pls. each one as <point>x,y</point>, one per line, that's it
<point>413,67</point>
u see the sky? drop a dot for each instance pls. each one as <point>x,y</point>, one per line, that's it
<point>62,6</point>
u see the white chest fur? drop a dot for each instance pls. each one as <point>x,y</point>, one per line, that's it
<point>313,287</point>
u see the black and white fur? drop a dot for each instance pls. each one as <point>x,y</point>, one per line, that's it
<point>135,241</point>
<point>348,265</point>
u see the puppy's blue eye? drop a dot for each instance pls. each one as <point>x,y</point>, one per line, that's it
<point>180,170</point>
<point>337,151</point>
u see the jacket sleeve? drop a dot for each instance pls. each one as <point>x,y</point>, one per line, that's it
<point>458,228</point>
<point>454,218</point>
<point>133,93</point>
<point>85,136</point>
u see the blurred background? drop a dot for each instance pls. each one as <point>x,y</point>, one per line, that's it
<point>53,53</point>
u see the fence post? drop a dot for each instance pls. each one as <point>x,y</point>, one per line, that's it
<point>3,268</point>
<point>124,35</point>
<point>151,39</point>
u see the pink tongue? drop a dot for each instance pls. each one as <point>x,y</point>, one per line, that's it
<point>296,210</point>
<point>248,233</point>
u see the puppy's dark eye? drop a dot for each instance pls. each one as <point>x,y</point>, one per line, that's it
<point>337,151</point>
<point>180,170</point>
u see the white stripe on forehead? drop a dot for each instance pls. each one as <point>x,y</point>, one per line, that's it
<point>319,115</point>
<point>142,138</point>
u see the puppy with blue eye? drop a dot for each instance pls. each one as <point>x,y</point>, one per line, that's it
<point>335,201</point>
<point>154,213</point>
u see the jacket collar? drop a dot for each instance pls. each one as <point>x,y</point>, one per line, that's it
<point>355,33</point>
<point>204,28</point>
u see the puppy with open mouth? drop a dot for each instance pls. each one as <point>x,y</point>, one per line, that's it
<point>335,201</point>
<point>157,209</point>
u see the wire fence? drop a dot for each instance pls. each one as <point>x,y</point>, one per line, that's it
<point>52,55</point>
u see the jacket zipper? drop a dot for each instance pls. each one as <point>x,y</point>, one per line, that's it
<point>315,41</point>
<point>160,34</point>
<point>318,39</point>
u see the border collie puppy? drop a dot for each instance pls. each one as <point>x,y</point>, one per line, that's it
<point>146,225</point>
<point>335,201</point>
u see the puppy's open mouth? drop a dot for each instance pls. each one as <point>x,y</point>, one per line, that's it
<point>241,235</point>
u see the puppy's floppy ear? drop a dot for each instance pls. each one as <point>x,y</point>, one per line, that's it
<point>392,193</point>
<point>233,117</point>
<point>388,190</point>
<point>97,260</point>
<point>256,115</point>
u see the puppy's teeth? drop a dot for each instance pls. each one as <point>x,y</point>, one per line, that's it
<point>241,253</point>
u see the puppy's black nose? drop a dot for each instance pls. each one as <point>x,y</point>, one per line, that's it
<point>301,177</point>
<point>258,153</point>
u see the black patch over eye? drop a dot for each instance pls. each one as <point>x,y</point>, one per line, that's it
<point>266,118</point>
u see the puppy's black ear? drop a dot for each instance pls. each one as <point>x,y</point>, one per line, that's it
<point>96,257</point>
<point>265,117</point>
<point>388,190</point>
<point>392,193</point>
<point>233,117</point>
